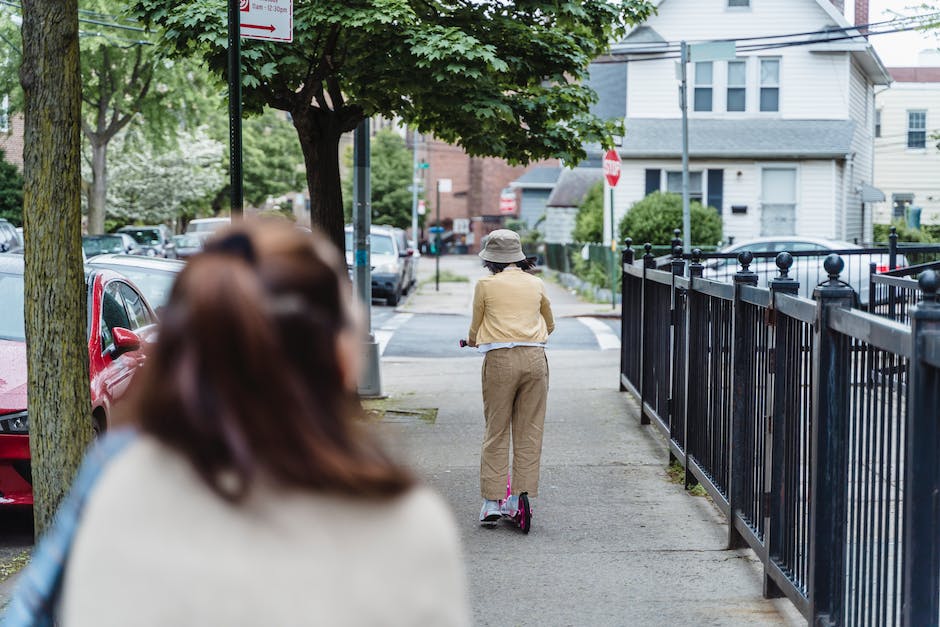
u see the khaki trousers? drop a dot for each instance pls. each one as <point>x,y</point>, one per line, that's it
<point>515,389</point>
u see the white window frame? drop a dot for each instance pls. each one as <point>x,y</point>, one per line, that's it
<point>877,131</point>
<point>922,129</point>
<point>761,86</point>
<point>700,196</point>
<point>729,86</point>
<point>5,115</point>
<point>710,86</point>
<point>798,194</point>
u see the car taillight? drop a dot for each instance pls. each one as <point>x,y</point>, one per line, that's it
<point>881,269</point>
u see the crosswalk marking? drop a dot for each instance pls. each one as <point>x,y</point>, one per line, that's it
<point>606,338</point>
<point>383,335</point>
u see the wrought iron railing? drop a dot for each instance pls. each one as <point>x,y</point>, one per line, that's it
<point>814,427</point>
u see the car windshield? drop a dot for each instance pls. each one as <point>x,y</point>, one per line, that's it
<point>147,237</point>
<point>12,326</point>
<point>155,285</point>
<point>381,244</point>
<point>102,245</point>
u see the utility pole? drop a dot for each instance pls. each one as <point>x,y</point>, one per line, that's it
<point>684,105</point>
<point>371,383</point>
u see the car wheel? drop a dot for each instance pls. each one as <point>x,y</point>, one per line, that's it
<point>393,298</point>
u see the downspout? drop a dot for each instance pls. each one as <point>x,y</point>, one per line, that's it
<point>847,174</point>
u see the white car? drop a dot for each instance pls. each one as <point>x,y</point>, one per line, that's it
<point>390,278</point>
<point>203,226</point>
<point>808,270</point>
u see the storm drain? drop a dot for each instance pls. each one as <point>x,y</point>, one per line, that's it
<point>403,416</point>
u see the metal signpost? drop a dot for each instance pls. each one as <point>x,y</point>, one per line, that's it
<point>708,51</point>
<point>612,174</point>
<point>252,19</point>
<point>445,186</point>
<point>370,385</point>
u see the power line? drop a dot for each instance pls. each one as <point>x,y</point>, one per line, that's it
<point>667,52</point>
<point>138,29</point>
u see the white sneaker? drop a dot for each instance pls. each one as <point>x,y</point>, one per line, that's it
<point>510,506</point>
<point>490,511</point>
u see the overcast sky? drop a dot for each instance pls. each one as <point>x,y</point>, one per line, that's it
<point>900,49</point>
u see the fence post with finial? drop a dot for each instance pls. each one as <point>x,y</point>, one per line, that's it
<point>892,264</point>
<point>921,574</point>
<point>830,452</point>
<point>626,323</point>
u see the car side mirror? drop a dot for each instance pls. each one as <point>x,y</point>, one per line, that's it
<point>125,341</point>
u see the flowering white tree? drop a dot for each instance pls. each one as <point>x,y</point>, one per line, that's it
<point>152,185</point>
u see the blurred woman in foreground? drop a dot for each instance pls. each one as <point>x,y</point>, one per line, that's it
<point>252,497</point>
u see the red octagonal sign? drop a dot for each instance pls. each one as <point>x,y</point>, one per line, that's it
<point>612,167</point>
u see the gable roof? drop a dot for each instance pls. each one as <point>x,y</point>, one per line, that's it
<point>731,139</point>
<point>573,185</point>
<point>540,177</point>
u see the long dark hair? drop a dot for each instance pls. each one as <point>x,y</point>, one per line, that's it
<point>245,377</point>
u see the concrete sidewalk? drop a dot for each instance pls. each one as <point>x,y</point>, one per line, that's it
<point>613,541</point>
<point>457,298</point>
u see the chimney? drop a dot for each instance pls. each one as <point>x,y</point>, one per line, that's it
<point>861,14</point>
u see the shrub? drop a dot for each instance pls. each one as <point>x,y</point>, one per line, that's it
<point>589,223</point>
<point>654,219</point>
<point>905,232</point>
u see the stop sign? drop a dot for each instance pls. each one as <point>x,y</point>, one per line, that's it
<point>612,167</point>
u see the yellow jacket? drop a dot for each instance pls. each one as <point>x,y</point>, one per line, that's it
<point>510,306</point>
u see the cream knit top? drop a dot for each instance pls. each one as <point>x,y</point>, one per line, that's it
<point>156,548</point>
<point>510,306</point>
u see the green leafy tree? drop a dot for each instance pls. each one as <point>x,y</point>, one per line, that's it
<point>654,219</point>
<point>11,192</point>
<point>272,161</point>
<point>589,223</point>
<point>498,78</point>
<point>391,176</point>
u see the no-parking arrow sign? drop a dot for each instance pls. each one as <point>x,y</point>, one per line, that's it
<point>271,20</point>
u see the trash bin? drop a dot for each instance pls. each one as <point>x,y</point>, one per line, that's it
<point>913,217</point>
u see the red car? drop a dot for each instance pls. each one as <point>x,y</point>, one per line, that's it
<point>120,322</point>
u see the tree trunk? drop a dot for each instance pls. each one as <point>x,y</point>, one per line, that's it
<point>57,349</point>
<point>99,187</point>
<point>319,140</point>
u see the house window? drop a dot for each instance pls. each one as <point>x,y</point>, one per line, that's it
<point>737,85</point>
<point>703,86</point>
<point>770,84</point>
<point>738,3</point>
<point>877,122</point>
<point>674,184</point>
<point>900,203</point>
<point>916,129</point>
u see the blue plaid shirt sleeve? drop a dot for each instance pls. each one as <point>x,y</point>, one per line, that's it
<point>34,602</point>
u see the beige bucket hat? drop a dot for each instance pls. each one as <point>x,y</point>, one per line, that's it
<point>502,246</point>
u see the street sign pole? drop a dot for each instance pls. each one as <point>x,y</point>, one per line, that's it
<point>684,105</point>
<point>414,189</point>
<point>371,383</point>
<point>235,109</point>
<point>613,252</point>
<point>437,249</point>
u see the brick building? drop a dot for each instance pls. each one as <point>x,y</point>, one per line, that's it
<point>11,138</point>
<point>477,184</point>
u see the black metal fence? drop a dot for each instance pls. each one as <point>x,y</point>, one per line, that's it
<point>812,425</point>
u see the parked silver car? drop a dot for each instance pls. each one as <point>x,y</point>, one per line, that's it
<point>808,270</point>
<point>390,267</point>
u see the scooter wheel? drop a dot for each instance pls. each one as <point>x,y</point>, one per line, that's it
<point>525,513</point>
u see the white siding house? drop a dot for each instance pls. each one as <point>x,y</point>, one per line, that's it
<point>907,159</point>
<point>781,138</point>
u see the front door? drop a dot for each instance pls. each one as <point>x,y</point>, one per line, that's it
<point>778,201</point>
